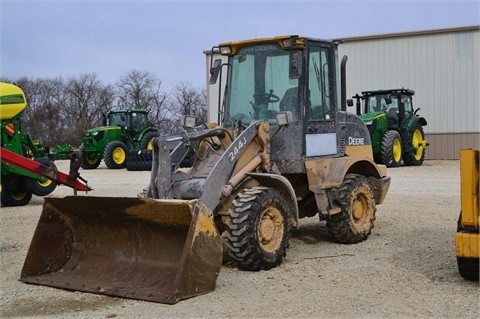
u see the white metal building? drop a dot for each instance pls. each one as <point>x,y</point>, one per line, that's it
<point>442,66</point>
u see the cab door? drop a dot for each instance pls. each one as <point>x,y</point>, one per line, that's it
<point>320,109</point>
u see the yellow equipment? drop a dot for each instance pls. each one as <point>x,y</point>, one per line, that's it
<point>467,239</point>
<point>271,162</point>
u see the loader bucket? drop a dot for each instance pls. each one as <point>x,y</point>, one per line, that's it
<point>141,248</point>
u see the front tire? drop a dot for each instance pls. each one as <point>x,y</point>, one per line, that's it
<point>355,221</point>
<point>258,229</point>
<point>115,155</point>
<point>89,161</point>
<point>146,143</point>
<point>391,149</point>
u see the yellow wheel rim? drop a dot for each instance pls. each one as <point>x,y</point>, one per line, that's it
<point>150,145</point>
<point>91,160</point>
<point>45,183</point>
<point>397,150</point>
<point>418,144</point>
<point>119,155</point>
<point>270,230</point>
<point>18,196</point>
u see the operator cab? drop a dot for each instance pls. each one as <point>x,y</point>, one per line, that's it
<point>290,73</point>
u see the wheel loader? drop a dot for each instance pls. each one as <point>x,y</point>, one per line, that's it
<point>467,238</point>
<point>286,149</point>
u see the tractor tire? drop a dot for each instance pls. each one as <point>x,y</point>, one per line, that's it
<point>468,268</point>
<point>391,151</point>
<point>45,187</point>
<point>87,160</point>
<point>115,155</point>
<point>146,141</point>
<point>355,221</point>
<point>15,197</point>
<point>414,146</point>
<point>139,161</point>
<point>258,229</point>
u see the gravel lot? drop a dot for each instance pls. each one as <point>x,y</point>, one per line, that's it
<point>406,269</point>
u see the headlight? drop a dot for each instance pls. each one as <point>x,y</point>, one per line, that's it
<point>368,123</point>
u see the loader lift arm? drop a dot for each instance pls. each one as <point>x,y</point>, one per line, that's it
<point>70,180</point>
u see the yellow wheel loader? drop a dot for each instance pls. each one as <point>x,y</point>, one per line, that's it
<point>467,238</point>
<point>286,149</point>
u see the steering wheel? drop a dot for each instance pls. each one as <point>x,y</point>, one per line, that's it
<point>268,97</point>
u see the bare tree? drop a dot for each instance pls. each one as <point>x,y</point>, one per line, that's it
<point>42,119</point>
<point>87,99</point>
<point>187,100</point>
<point>142,90</point>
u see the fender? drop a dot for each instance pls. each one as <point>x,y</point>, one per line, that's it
<point>282,184</point>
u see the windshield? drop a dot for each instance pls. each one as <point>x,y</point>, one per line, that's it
<point>260,85</point>
<point>378,103</point>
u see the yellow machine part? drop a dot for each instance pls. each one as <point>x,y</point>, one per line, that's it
<point>467,240</point>
<point>141,248</point>
<point>12,100</point>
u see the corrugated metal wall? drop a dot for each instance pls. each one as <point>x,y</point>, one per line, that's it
<point>442,67</point>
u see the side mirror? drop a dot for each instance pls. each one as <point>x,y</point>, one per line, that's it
<point>349,102</point>
<point>188,121</point>
<point>215,71</point>
<point>295,69</point>
<point>388,100</point>
<point>284,118</point>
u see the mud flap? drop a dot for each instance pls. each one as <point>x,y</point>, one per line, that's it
<point>141,248</point>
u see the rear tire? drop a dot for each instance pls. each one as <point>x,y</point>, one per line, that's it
<point>15,197</point>
<point>414,147</point>
<point>391,149</point>
<point>139,161</point>
<point>45,186</point>
<point>258,229</point>
<point>89,161</point>
<point>468,268</point>
<point>115,155</point>
<point>146,141</point>
<point>355,222</point>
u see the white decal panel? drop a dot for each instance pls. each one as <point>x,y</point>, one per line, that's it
<point>321,144</point>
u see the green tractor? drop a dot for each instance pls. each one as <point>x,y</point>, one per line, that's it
<point>19,185</point>
<point>395,127</point>
<point>123,132</point>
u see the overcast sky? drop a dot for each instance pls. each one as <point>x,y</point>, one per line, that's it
<point>67,38</point>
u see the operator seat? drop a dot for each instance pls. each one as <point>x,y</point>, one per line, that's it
<point>289,102</point>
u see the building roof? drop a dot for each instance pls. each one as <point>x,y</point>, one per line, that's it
<point>410,33</point>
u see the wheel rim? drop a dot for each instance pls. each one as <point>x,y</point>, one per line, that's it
<point>18,196</point>
<point>417,144</point>
<point>397,150</point>
<point>45,183</point>
<point>118,155</point>
<point>270,230</point>
<point>361,210</point>
<point>91,160</point>
<point>150,145</point>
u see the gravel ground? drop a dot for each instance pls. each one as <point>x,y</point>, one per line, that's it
<point>406,269</point>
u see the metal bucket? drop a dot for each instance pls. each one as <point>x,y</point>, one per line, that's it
<point>141,248</point>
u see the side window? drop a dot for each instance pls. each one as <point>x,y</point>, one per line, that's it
<point>407,102</point>
<point>319,103</point>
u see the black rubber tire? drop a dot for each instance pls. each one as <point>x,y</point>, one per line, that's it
<point>139,161</point>
<point>468,268</point>
<point>115,155</point>
<point>391,150</point>
<point>145,142</point>
<point>18,197</point>
<point>87,161</point>
<point>355,221</point>
<point>38,187</point>
<point>258,229</point>
<point>411,155</point>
